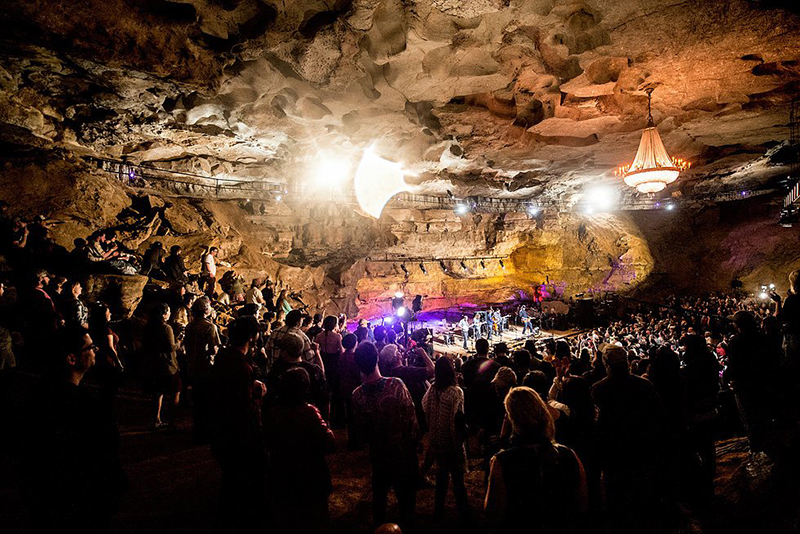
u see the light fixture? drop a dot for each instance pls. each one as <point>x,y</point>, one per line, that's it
<point>399,294</point>
<point>483,265</point>
<point>404,268</point>
<point>533,211</point>
<point>462,209</point>
<point>463,265</point>
<point>422,268</point>
<point>502,265</point>
<point>652,168</point>
<point>443,266</point>
<point>670,207</point>
<point>601,198</point>
<point>278,198</point>
<point>401,311</point>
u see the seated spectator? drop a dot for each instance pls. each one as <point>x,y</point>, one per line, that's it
<point>174,267</point>
<point>297,440</point>
<point>537,484</point>
<point>153,261</point>
<point>108,259</point>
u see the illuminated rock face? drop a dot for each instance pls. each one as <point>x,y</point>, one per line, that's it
<point>530,99</point>
<point>516,93</point>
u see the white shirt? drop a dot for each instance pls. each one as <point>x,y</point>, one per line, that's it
<point>209,265</point>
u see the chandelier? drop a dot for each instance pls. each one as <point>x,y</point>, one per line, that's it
<point>652,168</point>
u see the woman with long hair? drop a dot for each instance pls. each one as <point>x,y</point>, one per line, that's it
<point>160,348</point>
<point>108,365</point>
<point>444,411</point>
<point>536,484</point>
<point>330,349</point>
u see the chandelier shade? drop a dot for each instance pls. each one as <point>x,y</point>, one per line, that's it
<point>652,168</point>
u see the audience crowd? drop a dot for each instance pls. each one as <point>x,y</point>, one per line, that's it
<point>614,426</point>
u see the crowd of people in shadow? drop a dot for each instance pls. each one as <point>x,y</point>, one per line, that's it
<point>610,430</point>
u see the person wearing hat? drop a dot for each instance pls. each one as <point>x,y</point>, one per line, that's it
<point>630,429</point>
<point>41,322</point>
<point>292,346</point>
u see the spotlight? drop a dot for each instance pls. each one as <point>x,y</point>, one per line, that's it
<point>404,268</point>
<point>399,294</point>
<point>401,311</point>
<point>463,265</point>
<point>670,207</point>
<point>279,198</point>
<point>462,209</point>
<point>589,210</point>
<point>388,320</point>
<point>763,295</point>
<point>502,265</point>
<point>483,265</point>
<point>601,198</point>
<point>443,266</point>
<point>533,211</point>
<point>658,204</point>
<point>422,268</point>
<point>329,171</point>
<point>772,286</point>
<point>398,301</point>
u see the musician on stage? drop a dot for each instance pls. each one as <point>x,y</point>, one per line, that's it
<point>463,324</point>
<point>525,319</point>
<point>497,319</point>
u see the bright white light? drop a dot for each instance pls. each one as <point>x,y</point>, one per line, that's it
<point>399,294</point>
<point>461,209</point>
<point>772,286</point>
<point>377,181</point>
<point>763,295</point>
<point>329,171</point>
<point>388,320</point>
<point>601,198</point>
<point>401,311</point>
<point>533,210</point>
<point>670,207</point>
<point>589,209</point>
<point>278,198</point>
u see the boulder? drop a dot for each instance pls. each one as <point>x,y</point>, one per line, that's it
<point>122,293</point>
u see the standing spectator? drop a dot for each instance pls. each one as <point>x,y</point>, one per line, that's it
<point>41,325</point>
<point>291,357</point>
<point>752,375</point>
<point>269,295</point>
<point>292,326</point>
<point>73,310</point>
<point>630,428</point>
<point>536,485</point>
<point>161,350</point>
<point>208,272</point>
<point>330,350</point>
<point>201,343</point>
<point>108,369</point>
<point>236,439</point>
<point>386,418</point>
<point>350,379</point>
<point>415,376</point>
<point>444,410</point>
<point>71,470</point>
<point>297,439</point>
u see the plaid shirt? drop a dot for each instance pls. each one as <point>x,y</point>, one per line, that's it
<point>273,346</point>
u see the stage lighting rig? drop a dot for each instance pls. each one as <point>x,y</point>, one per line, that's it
<point>443,266</point>
<point>422,268</point>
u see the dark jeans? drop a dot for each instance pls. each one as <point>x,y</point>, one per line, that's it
<point>241,497</point>
<point>449,465</point>
<point>401,478</point>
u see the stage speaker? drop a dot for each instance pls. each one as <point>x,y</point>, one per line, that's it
<point>416,304</point>
<point>585,313</point>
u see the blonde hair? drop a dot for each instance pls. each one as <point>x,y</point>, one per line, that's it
<point>529,415</point>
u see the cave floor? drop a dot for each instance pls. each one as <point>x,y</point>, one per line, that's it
<point>174,485</point>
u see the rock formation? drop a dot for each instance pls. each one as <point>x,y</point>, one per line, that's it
<point>505,99</point>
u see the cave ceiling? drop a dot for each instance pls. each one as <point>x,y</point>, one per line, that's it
<point>496,97</point>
